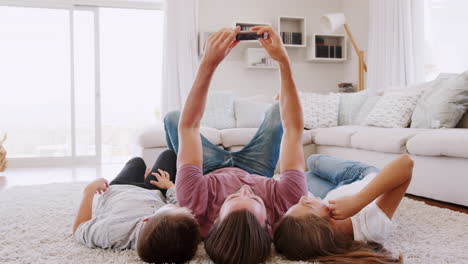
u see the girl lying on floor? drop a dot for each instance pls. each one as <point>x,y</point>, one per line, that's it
<point>139,212</point>
<point>354,217</point>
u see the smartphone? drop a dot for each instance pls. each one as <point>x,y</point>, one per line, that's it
<point>250,36</point>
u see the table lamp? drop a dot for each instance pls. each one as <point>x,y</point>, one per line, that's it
<point>329,24</point>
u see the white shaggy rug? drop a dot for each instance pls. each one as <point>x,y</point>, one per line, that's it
<point>35,227</point>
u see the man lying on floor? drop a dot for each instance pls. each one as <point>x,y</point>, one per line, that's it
<point>140,212</point>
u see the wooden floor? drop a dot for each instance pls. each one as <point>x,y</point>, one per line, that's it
<point>453,207</point>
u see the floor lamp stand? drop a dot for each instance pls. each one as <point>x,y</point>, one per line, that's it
<point>360,54</point>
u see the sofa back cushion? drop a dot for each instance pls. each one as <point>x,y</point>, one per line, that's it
<point>219,110</point>
<point>250,111</point>
<point>393,110</point>
<point>350,104</point>
<point>365,110</point>
<point>319,110</point>
<point>444,104</point>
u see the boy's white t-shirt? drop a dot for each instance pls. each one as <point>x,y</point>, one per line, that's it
<point>371,223</point>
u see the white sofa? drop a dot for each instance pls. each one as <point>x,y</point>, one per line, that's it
<point>440,155</point>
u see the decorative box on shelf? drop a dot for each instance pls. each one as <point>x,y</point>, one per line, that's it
<point>327,48</point>
<point>257,58</point>
<point>346,88</point>
<point>293,31</point>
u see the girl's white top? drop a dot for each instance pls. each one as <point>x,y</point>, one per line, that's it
<point>371,223</point>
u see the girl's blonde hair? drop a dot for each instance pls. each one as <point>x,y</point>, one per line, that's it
<point>312,238</point>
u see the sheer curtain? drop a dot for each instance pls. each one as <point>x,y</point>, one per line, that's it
<point>396,43</point>
<point>445,50</point>
<point>180,57</point>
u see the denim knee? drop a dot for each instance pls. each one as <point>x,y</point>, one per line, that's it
<point>274,115</point>
<point>172,118</point>
<point>312,160</point>
<point>274,110</point>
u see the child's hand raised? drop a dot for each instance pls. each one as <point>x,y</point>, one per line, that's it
<point>163,180</point>
<point>345,207</point>
<point>98,186</point>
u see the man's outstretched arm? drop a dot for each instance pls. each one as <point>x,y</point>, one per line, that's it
<point>190,146</point>
<point>291,153</point>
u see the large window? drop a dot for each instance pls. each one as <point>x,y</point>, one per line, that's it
<point>446,43</point>
<point>35,81</point>
<point>78,82</point>
<point>131,60</point>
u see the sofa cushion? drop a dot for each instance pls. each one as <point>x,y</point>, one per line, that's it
<point>219,110</point>
<point>440,142</point>
<point>212,134</point>
<point>390,140</point>
<point>365,109</point>
<point>335,136</point>
<point>443,105</point>
<point>250,112</point>
<point>393,110</point>
<point>350,104</point>
<point>241,136</point>
<point>152,137</point>
<point>237,136</point>
<point>320,110</point>
<point>155,136</point>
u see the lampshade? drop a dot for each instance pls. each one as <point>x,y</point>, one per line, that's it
<point>331,22</point>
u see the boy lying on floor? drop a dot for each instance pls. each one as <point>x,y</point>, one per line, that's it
<point>134,214</point>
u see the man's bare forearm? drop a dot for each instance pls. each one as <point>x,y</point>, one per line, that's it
<point>217,48</point>
<point>196,99</point>
<point>291,110</point>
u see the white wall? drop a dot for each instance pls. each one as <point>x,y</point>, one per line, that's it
<point>318,77</point>
<point>232,73</point>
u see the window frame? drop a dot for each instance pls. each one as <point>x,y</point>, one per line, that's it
<point>71,6</point>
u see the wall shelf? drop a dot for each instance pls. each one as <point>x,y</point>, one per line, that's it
<point>258,58</point>
<point>293,31</point>
<point>326,60</point>
<point>327,48</point>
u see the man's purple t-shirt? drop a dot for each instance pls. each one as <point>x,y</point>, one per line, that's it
<point>205,194</point>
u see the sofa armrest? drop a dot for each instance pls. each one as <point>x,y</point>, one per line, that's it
<point>152,137</point>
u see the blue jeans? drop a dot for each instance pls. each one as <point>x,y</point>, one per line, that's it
<point>327,173</point>
<point>259,156</point>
